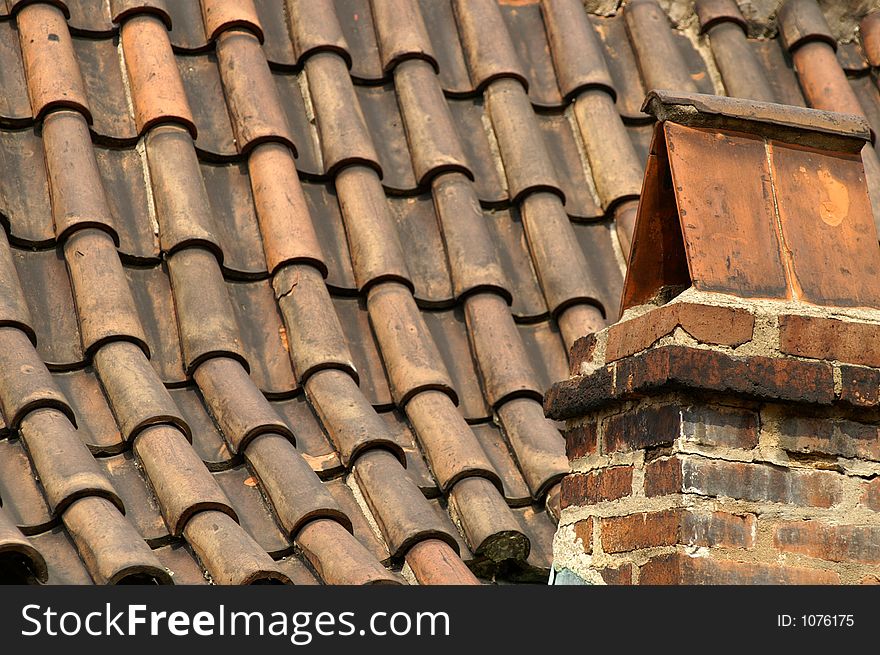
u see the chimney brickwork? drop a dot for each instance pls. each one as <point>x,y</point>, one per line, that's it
<point>731,437</point>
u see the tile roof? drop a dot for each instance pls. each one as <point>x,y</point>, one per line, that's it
<point>282,283</point>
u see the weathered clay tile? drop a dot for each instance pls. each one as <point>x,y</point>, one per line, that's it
<point>852,58</point>
<point>546,352</point>
<point>339,558</point>
<point>375,247</point>
<point>13,306</point>
<point>450,335</point>
<point>314,336</point>
<point>179,561</point>
<point>539,527</point>
<point>577,321</point>
<point>24,198</point>
<point>32,387</point>
<point>15,107</point>
<point>228,553</point>
<point>571,168</point>
<point>736,60</point>
<point>401,33</point>
<point>403,514</point>
<point>539,448</point>
<point>151,290</point>
<point>661,63</point>
<point>184,489</point>
<point>480,149</point>
<point>341,125</point>
<point>326,217</point>
<point>869,36</point>
<point>364,529</point>
<point>529,36</point>
<point>21,562</point>
<point>220,16</point>
<point>122,174</point>
<point>777,68</point>
<point>256,518</point>
<point>575,48</point>
<point>446,46</point>
<point>103,76</point>
<point>494,445</point>
<point>411,358</point>
<point>470,252</point>
<point>450,446</point>
<point>487,59</point>
<point>50,64</point>
<point>235,220</point>
<point>240,410</point>
<point>505,227</point>
<point>157,92</point>
<point>120,10</point>
<point>489,527</point>
<point>350,421</point>
<point>282,211</point>
<point>433,562</point>
<point>141,507</point>
<point>293,91</point>
<point>416,465</point>
<point>94,419</point>
<point>277,44</point>
<point>250,92</point>
<point>602,268</point>
<point>622,65</point>
<point>356,21</point>
<point>187,28</point>
<point>425,259</point>
<point>50,301</point>
<point>200,75</point>
<point>315,28</point>
<point>104,304</point>
<point>75,186</point>
<point>264,337</point>
<point>431,136</point>
<point>312,441</point>
<point>800,22</point>
<point>66,469</point>
<point>364,349</point>
<point>527,162</point>
<point>204,316</point>
<point>295,567</point>
<point>65,566</point>
<point>207,441</point>
<point>137,397</point>
<point>23,499</point>
<point>384,123</point>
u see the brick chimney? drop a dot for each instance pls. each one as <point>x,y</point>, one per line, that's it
<point>726,429</point>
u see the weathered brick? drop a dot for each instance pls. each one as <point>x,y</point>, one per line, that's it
<point>743,481</point>
<point>581,351</point>
<point>624,533</point>
<point>677,526</point>
<point>596,486</point>
<point>729,326</point>
<point>622,575</point>
<point>835,543</point>
<point>871,494</point>
<point>583,530</point>
<point>680,569</point>
<point>805,434</point>
<point>732,427</point>
<point>581,440</point>
<point>831,339</point>
<point>859,387</point>
<point>642,427</point>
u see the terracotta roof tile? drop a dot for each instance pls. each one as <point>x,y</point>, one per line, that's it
<point>354,241</point>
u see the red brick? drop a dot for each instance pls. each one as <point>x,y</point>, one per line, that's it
<point>835,543</point>
<point>677,526</point>
<point>581,351</point>
<point>596,486</point>
<point>871,494</point>
<point>706,323</point>
<point>623,575</point>
<point>680,569</point>
<point>642,428</point>
<point>580,441</point>
<point>806,434</point>
<point>859,386</point>
<point>583,530</point>
<point>732,427</point>
<point>827,338</point>
<point>743,481</point>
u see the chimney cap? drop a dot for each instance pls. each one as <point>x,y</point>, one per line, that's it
<point>815,128</point>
